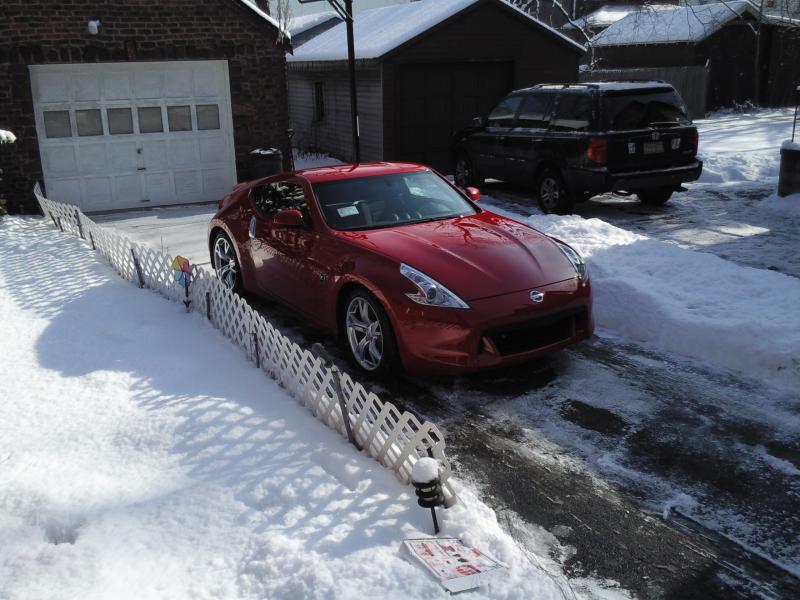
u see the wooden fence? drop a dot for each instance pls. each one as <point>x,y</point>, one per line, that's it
<point>691,82</point>
<point>395,439</point>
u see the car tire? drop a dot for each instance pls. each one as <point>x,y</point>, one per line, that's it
<point>368,333</point>
<point>226,263</point>
<point>465,174</point>
<point>552,194</point>
<point>654,197</point>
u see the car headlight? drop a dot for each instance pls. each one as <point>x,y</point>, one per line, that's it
<point>576,259</point>
<point>430,292</point>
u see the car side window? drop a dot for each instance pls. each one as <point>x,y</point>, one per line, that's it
<point>272,198</point>
<point>573,112</point>
<point>535,110</point>
<point>503,114</point>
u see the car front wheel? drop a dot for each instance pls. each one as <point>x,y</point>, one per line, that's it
<point>654,197</point>
<point>465,174</point>
<point>226,265</point>
<point>370,338</point>
<point>552,194</point>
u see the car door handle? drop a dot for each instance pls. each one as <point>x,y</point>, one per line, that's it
<point>251,231</point>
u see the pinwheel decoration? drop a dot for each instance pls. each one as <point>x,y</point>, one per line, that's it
<point>183,276</point>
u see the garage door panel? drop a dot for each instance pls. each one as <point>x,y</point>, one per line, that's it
<point>60,160</point>
<point>128,190</point>
<point>127,156</point>
<point>92,159</point>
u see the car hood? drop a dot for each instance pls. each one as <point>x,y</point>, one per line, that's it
<point>478,256</point>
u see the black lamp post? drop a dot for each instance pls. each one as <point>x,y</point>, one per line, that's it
<point>344,8</point>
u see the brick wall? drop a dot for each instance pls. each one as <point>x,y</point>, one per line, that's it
<point>34,32</point>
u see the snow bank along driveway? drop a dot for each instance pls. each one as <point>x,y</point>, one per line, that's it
<point>142,457</point>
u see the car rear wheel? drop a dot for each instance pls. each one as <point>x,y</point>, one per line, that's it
<point>226,265</point>
<point>654,197</point>
<point>465,174</point>
<point>370,337</point>
<point>552,194</point>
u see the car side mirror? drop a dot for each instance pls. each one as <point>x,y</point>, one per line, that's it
<point>289,218</point>
<point>473,193</point>
<point>477,122</point>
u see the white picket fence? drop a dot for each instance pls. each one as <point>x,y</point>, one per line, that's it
<point>395,439</point>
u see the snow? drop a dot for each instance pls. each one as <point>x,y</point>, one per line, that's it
<point>670,24</point>
<point>738,147</point>
<point>298,25</point>
<point>308,160</point>
<point>6,137</point>
<point>603,16</point>
<point>254,7</point>
<point>381,30</point>
<point>790,145</point>
<point>787,207</point>
<point>425,470</point>
<point>691,303</point>
<point>132,469</point>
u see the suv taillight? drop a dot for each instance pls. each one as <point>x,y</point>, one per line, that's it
<point>695,139</point>
<point>597,152</point>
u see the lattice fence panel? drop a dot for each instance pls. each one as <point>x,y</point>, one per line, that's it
<point>393,438</point>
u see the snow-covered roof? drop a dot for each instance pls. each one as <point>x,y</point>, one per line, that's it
<point>380,30</point>
<point>662,24</point>
<point>6,137</point>
<point>254,7</point>
<point>303,23</point>
<point>602,17</point>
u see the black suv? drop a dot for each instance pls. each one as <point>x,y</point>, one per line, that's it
<point>572,142</point>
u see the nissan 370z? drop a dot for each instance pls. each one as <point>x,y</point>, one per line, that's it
<point>402,266</point>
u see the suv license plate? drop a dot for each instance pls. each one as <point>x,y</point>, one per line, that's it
<point>653,147</point>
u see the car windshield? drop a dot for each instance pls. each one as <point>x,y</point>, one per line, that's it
<point>389,200</point>
<point>648,108</point>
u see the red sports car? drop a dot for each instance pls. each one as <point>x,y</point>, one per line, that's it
<point>404,266</point>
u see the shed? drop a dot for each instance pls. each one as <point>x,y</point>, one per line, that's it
<point>124,104</point>
<point>721,35</point>
<point>424,70</point>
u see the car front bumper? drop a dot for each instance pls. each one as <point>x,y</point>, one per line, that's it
<point>601,180</point>
<point>493,332</point>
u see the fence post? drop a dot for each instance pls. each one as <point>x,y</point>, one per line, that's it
<point>138,268</point>
<point>91,239</point>
<point>58,222</point>
<point>208,305</point>
<point>255,349</point>
<point>78,219</point>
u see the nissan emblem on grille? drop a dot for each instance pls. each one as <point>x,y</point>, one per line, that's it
<point>537,296</point>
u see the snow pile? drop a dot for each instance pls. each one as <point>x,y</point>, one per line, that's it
<point>143,457</point>
<point>790,145</point>
<point>739,147</point>
<point>380,30</point>
<point>301,24</point>
<point>788,206</point>
<point>6,137</point>
<point>425,470</point>
<point>691,303</point>
<point>670,24</point>
<point>308,160</point>
<point>603,16</point>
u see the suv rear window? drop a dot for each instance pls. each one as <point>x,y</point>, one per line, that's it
<point>641,109</point>
<point>573,112</point>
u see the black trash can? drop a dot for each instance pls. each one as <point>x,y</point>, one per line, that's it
<point>265,162</point>
<point>789,178</point>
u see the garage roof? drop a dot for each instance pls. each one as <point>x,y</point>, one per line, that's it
<point>378,31</point>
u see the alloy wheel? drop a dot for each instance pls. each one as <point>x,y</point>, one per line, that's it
<point>549,193</point>
<point>225,262</point>
<point>364,333</point>
<point>463,176</point>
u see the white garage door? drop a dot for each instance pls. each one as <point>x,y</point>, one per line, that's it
<point>125,135</point>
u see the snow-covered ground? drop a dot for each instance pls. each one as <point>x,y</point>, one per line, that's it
<point>142,457</point>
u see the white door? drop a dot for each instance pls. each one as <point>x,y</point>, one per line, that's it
<point>126,135</point>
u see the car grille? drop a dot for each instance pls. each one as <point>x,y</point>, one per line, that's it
<point>538,333</point>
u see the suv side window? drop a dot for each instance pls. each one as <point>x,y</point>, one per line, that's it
<point>573,112</point>
<point>503,113</point>
<point>272,198</point>
<point>535,110</point>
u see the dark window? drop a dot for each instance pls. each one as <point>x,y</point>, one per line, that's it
<point>319,101</point>
<point>150,119</point>
<point>641,109</point>
<point>573,112</point>
<point>180,118</point>
<point>89,122</point>
<point>535,110</point>
<point>120,120</point>
<point>207,116</point>
<point>272,198</point>
<point>503,113</point>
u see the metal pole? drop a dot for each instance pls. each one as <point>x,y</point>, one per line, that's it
<point>337,386</point>
<point>433,508</point>
<point>351,63</point>
<point>796,105</point>
<point>757,74</point>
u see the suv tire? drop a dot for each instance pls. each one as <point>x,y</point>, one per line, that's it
<point>655,196</point>
<point>552,194</point>
<point>465,174</point>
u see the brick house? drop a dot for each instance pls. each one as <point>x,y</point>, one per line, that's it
<point>122,104</point>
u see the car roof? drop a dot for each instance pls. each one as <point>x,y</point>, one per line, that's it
<point>352,171</point>
<point>602,86</point>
